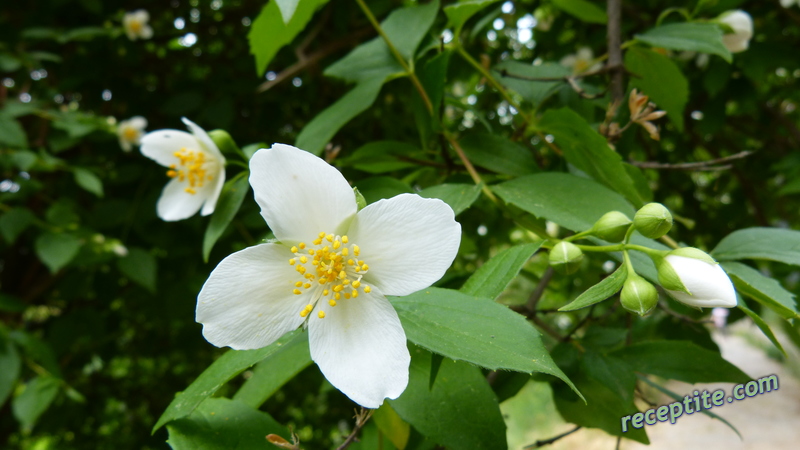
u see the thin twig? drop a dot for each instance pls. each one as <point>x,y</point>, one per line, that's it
<point>614,39</point>
<point>711,164</point>
<point>542,443</point>
<point>537,293</point>
<point>361,419</point>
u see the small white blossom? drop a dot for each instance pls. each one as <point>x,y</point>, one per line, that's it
<point>130,132</point>
<point>580,61</point>
<point>330,271</point>
<point>742,25</point>
<point>789,3</point>
<point>196,166</point>
<point>708,285</point>
<point>135,24</point>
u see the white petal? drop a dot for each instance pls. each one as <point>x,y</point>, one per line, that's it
<point>138,122</point>
<point>300,194</point>
<point>161,145</point>
<point>177,204</point>
<point>361,349</point>
<point>126,146</point>
<point>213,197</point>
<point>407,241</point>
<point>708,284</point>
<point>247,301</point>
<point>146,32</point>
<point>205,139</point>
<point>141,15</point>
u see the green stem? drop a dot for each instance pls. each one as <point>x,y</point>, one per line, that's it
<point>491,79</point>
<point>234,162</point>
<point>396,53</point>
<point>601,248</point>
<point>580,235</point>
<point>626,259</point>
<point>651,252</point>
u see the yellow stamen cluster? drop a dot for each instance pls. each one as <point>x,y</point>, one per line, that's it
<point>331,276</point>
<point>130,133</point>
<point>191,168</point>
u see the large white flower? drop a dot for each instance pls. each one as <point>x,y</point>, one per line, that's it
<point>135,24</point>
<point>130,132</point>
<point>330,270</point>
<point>196,166</point>
<point>708,285</point>
<point>742,25</point>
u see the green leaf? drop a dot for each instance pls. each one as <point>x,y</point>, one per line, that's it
<point>373,60</point>
<point>11,133</point>
<point>140,266</point>
<point>656,76</point>
<point>11,303</point>
<point>498,154</point>
<point>690,36</point>
<point>269,33</point>
<point>587,150</point>
<point>56,250</point>
<point>39,393</point>
<point>232,363</point>
<point>324,126</point>
<point>223,424</point>
<point>392,425</point>
<point>287,8</point>
<point>679,398</point>
<point>533,91</point>
<point>24,159</point>
<point>762,325</point>
<point>583,10</point>
<point>774,244</point>
<point>681,360</point>
<point>38,350</point>
<point>376,188</point>
<point>765,290</point>
<point>570,201</point>
<point>600,291</point>
<point>458,196</point>
<point>460,412</point>
<point>274,371</point>
<point>381,157</point>
<point>459,13</point>
<point>230,200</point>
<point>491,279</point>
<point>11,364</point>
<point>474,330</point>
<point>14,222</point>
<point>88,181</point>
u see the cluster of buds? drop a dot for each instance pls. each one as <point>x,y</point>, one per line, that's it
<point>689,275</point>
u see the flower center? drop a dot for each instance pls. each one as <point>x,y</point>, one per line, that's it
<point>130,133</point>
<point>135,26</point>
<point>331,270</point>
<point>191,168</point>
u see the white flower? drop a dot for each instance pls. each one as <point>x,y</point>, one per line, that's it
<point>742,26</point>
<point>330,270</point>
<point>130,132</point>
<point>196,166</point>
<point>579,62</point>
<point>789,3</point>
<point>135,24</point>
<point>708,284</point>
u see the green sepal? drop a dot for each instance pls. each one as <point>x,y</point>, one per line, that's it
<point>224,142</point>
<point>667,277</point>
<point>360,200</point>
<point>696,253</point>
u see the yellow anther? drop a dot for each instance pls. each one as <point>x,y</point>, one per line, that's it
<point>315,262</point>
<point>350,262</point>
<point>345,281</point>
<point>338,288</point>
<point>358,269</point>
<point>360,262</point>
<point>303,259</point>
<point>356,284</point>
<point>292,261</point>
<point>326,292</point>
<point>346,295</point>
<point>297,292</point>
<point>336,244</point>
<point>337,296</point>
<point>323,280</point>
<point>342,275</point>
<point>345,251</point>
<point>172,166</point>
<point>355,294</point>
<point>307,285</point>
<point>367,289</point>
<point>302,245</point>
<point>344,239</point>
<point>309,276</point>
<point>303,313</point>
<point>329,238</point>
<point>321,314</point>
<point>322,234</point>
<point>326,249</point>
<point>332,302</point>
<point>190,191</point>
<point>294,249</point>
<point>356,250</point>
<point>309,307</point>
<point>301,269</point>
<point>364,267</point>
<point>317,241</point>
<point>172,173</point>
<point>310,251</point>
<point>298,284</point>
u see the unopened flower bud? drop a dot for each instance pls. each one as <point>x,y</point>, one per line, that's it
<point>566,257</point>
<point>224,141</point>
<point>653,220</point>
<point>612,226</point>
<point>701,282</point>
<point>742,26</point>
<point>638,295</point>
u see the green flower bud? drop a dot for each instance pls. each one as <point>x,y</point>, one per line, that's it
<point>361,202</point>
<point>566,257</point>
<point>653,220</point>
<point>612,226</point>
<point>224,141</point>
<point>638,295</point>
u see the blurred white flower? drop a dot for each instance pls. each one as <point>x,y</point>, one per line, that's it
<point>130,132</point>
<point>580,61</point>
<point>196,166</point>
<point>789,3</point>
<point>742,25</point>
<point>330,270</point>
<point>135,24</point>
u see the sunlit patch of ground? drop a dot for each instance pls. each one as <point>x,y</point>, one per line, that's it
<point>767,421</point>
